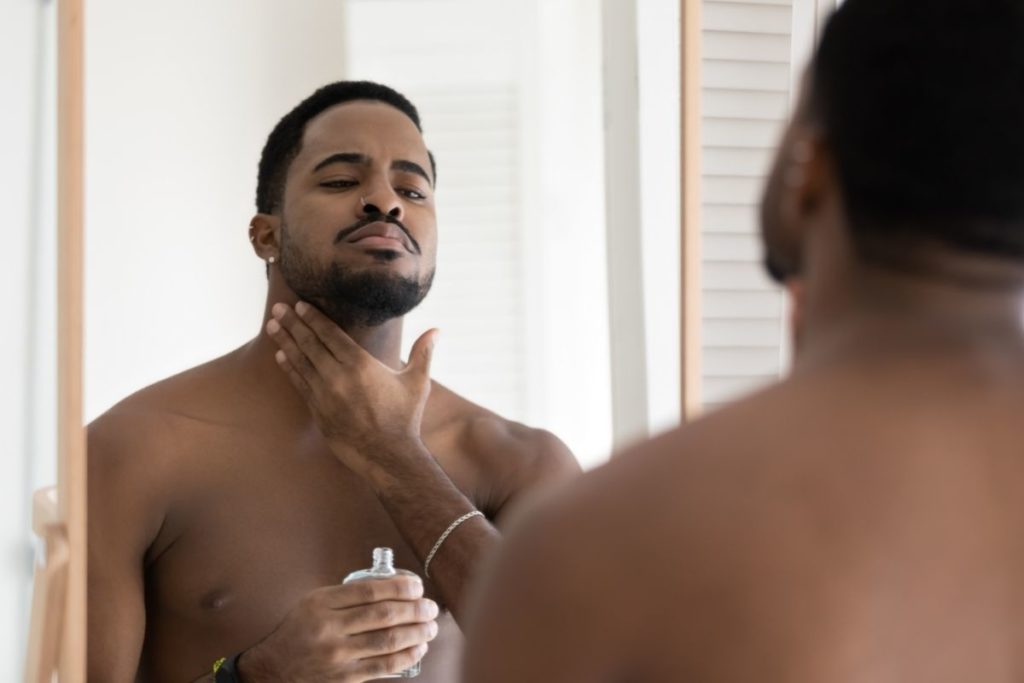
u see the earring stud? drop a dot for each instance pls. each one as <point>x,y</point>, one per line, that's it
<point>271,259</point>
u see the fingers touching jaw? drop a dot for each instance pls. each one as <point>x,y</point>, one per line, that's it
<point>314,331</point>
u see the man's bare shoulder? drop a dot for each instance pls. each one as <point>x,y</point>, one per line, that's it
<point>666,528</point>
<point>773,518</point>
<point>139,456</point>
<point>511,456</point>
<point>746,454</point>
<point>487,435</point>
<point>736,473</point>
<point>158,419</point>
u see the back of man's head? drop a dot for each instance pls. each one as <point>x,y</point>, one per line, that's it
<point>285,141</point>
<point>922,105</point>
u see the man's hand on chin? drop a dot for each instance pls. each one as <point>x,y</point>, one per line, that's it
<point>369,414</point>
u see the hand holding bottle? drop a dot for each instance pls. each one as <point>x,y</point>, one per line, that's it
<point>350,633</point>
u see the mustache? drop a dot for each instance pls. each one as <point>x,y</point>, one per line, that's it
<point>377,218</point>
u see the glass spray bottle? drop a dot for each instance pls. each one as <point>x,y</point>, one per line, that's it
<point>384,568</point>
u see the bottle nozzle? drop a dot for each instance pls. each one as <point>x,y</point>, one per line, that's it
<point>383,560</point>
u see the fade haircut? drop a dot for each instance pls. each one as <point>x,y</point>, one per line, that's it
<point>922,104</point>
<point>285,141</point>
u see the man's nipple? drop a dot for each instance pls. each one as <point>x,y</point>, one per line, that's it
<point>216,600</point>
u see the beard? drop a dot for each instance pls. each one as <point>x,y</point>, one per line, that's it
<point>363,298</point>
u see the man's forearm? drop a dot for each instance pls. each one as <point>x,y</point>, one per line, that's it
<point>423,501</point>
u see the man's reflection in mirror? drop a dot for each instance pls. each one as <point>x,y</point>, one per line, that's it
<point>227,503</point>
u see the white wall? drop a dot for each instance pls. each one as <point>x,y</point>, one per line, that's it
<point>658,23</point>
<point>180,97</point>
<point>28,281</point>
<point>571,376</point>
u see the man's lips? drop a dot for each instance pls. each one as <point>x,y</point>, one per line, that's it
<point>380,234</point>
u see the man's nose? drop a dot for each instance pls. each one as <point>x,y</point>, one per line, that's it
<point>380,202</point>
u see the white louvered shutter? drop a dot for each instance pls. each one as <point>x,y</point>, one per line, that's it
<point>747,74</point>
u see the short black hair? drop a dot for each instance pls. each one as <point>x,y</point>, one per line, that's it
<point>285,141</point>
<point>921,103</point>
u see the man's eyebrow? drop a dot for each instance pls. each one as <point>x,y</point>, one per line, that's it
<point>343,158</point>
<point>363,160</point>
<point>410,167</point>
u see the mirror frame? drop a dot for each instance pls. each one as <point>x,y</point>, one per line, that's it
<point>57,633</point>
<point>57,639</point>
<point>690,216</point>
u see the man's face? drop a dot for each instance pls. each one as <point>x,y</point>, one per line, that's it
<point>358,224</point>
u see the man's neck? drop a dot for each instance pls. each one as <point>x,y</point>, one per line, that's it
<point>383,341</point>
<point>856,309</point>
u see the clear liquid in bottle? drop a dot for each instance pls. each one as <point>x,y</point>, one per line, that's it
<point>384,568</point>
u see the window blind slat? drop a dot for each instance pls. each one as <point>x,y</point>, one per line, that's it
<point>749,134</point>
<point>731,103</point>
<point>736,276</point>
<point>720,73</point>
<point>732,332</point>
<point>736,162</point>
<point>747,17</point>
<point>745,46</point>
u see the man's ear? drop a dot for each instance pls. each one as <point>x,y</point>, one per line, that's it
<point>265,236</point>
<point>808,176</point>
<point>821,180</point>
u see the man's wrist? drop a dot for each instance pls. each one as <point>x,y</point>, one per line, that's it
<point>224,670</point>
<point>249,667</point>
<point>394,462</point>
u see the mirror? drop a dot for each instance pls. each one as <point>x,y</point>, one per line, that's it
<point>513,98</point>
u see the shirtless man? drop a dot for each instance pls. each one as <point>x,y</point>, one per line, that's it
<point>227,503</point>
<point>863,519</point>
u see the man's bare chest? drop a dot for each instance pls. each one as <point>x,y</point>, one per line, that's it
<point>251,532</point>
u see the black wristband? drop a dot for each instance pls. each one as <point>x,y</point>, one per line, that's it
<point>227,672</point>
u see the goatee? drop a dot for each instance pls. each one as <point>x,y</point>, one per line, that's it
<point>364,298</point>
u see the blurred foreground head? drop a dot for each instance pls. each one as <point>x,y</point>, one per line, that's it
<point>910,134</point>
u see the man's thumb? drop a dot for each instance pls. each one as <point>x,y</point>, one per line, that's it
<point>423,352</point>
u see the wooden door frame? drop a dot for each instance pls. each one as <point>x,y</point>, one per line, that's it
<point>690,213</point>
<point>57,636</point>
<point>71,454</point>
